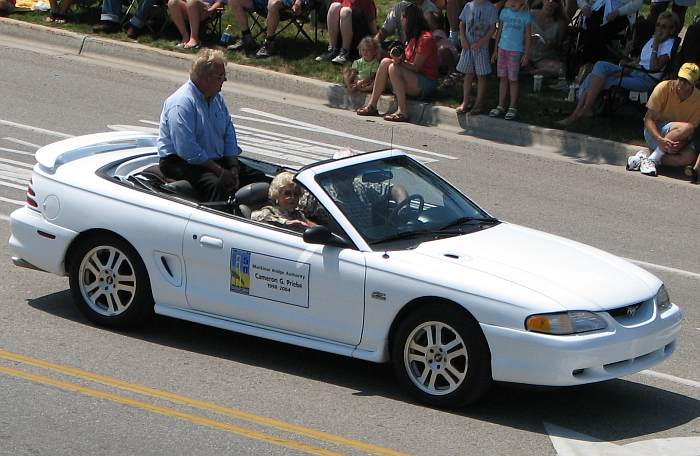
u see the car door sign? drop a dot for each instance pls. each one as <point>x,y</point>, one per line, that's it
<point>269,277</point>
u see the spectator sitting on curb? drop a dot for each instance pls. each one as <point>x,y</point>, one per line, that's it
<point>673,114</point>
<point>6,7</point>
<point>353,20</point>
<point>360,76</point>
<point>392,23</point>
<point>656,53</point>
<point>548,34</point>
<point>412,69</point>
<point>110,19</point>
<point>195,11</point>
<point>56,14</point>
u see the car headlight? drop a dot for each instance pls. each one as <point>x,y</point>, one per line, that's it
<point>572,322</point>
<point>663,302</point>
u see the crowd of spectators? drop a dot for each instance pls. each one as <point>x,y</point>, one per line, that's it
<point>420,42</point>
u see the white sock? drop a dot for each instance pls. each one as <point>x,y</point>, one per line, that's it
<point>656,156</point>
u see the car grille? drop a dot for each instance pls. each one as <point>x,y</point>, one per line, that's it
<point>634,313</point>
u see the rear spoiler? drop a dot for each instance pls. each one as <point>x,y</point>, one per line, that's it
<point>52,156</point>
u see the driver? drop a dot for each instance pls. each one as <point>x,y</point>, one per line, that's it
<point>364,203</point>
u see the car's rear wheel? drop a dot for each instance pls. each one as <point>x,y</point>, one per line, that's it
<point>441,356</point>
<point>109,282</point>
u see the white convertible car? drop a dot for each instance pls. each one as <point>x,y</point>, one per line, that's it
<point>454,298</point>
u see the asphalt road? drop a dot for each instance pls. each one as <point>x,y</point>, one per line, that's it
<point>241,395</point>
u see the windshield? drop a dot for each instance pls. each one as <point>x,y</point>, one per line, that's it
<point>397,198</point>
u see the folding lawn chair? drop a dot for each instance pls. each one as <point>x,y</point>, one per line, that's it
<point>287,19</point>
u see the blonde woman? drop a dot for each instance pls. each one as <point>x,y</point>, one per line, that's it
<point>284,193</point>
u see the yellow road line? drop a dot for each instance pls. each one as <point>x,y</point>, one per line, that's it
<point>197,419</point>
<point>231,412</point>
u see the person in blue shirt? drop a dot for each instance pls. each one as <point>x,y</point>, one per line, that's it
<point>197,140</point>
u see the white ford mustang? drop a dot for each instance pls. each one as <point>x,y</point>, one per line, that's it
<point>454,298</point>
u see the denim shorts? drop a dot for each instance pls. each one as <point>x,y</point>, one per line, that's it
<point>427,86</point>
<point>664,128</point>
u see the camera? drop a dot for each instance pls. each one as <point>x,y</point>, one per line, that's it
<point>396,51</point>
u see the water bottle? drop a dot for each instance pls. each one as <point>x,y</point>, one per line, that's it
<point>226,36</point>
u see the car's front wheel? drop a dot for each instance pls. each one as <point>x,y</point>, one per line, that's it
<point>441,356</point>
<point>109,282</point>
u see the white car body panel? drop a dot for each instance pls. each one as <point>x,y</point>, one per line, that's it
<point>501,275</point>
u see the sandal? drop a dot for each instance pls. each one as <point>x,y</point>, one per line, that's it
<point>60,18</point>
<point>498,111</point>
<point>396,117</point>
<point>368,110</point>
<point>460,110</point>
<point>476,110</point>
<point>691,173</point>
<point>511,114</point>
<point>51,17</point>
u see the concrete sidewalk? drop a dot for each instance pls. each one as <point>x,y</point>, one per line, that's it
<point>574,145</point>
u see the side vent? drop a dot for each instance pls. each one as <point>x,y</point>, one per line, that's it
<point>170,267</point>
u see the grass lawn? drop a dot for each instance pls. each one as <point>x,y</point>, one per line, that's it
<point>541,109</point>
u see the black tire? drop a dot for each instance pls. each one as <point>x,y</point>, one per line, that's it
<point>109,282</point>
<point>459,366</point>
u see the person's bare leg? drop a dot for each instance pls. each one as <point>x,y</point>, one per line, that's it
<point>398,86</point>
<point>684,157</point>
<point>177,10</point>
<point>195,15</point>
<point>380,81</point>
<point>239,12</point>
<point>346,27</point>
<point>333,23</point>
<point>466,90</point>
<point>594,88</point>
<point>514,88</point>
<point>480,91</point>
<point>273,16</point>
<point>502,92</point>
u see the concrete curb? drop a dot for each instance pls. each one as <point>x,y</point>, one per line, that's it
<point>581,147</point>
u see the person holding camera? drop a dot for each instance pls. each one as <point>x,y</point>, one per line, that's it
<point>412,69</point>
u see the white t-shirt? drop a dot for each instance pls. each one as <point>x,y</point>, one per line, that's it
<point>645,57</point>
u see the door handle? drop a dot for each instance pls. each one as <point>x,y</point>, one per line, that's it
<point>211,242</point>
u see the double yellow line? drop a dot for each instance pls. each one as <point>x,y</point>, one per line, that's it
<point>183,400</point>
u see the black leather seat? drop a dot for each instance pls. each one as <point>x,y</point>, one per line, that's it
<point>251,197</point>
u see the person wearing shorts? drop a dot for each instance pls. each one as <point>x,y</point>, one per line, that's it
<point>194,12</point>
<point>6,7</point>
<point>512,47</point>
<point>476,27</point>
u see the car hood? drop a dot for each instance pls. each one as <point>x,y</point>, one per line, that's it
<point>574,275</point>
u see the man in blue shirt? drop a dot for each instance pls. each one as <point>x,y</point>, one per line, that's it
<point>197,140</point>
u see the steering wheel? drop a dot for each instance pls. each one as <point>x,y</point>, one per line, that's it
<point>404,213</point>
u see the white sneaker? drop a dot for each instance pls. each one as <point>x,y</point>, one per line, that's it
<point>635,161</point>
<point>648,167</point>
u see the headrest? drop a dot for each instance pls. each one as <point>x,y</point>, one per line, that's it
<point>252,193</point>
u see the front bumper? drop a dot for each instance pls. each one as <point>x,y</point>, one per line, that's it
<point>37,243</point>
<point>520,356</point>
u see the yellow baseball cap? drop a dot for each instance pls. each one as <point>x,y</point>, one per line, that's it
<point>690,72</point>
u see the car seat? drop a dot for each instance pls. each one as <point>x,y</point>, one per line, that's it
<point>251,197</point>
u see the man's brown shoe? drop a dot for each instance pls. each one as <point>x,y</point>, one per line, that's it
<point>106,27</point>
<point>133,32</point>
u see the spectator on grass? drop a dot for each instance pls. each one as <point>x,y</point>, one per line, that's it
<point>548,33</point>
<point>447,52</point>
<point>511,51</point>
<point>274,8</point>
<point>392,23</point>
<point>110,19</point>
<point>6,7</point>
<point>352,20</point>
<point>58,14</point>
<point>360,76</point>
<point>476,27</point>
<point>412,69</point>
<point>677,6</point>
<point>605,19</point>
<point>194,12</point>
<point>655,55</point>
<point>673,114</point>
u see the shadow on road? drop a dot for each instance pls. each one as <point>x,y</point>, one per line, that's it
<point>609,411</point>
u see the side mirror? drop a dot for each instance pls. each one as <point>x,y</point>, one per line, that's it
<point>320,234</point>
